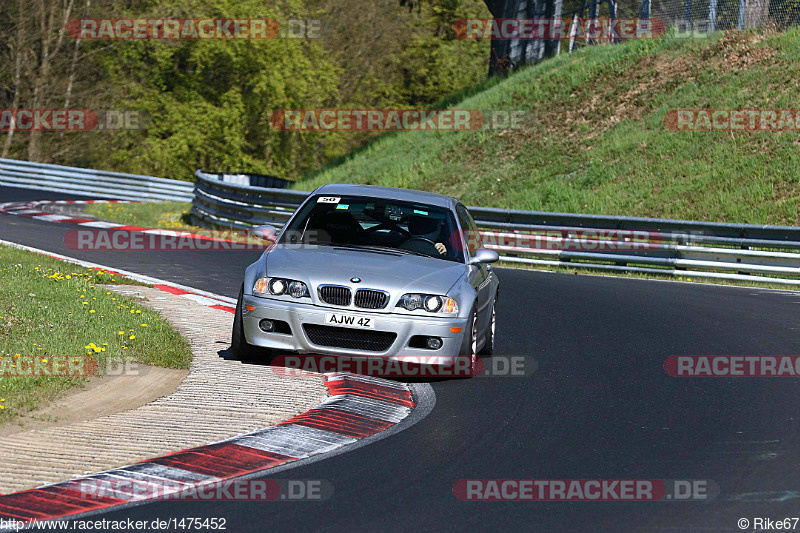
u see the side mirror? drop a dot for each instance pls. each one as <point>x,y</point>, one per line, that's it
<point>266,232</point>
<point>484,255</point>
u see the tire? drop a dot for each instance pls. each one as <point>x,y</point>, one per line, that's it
<point>488,346</point>
<point>470,342</point>
<point>242,350</point>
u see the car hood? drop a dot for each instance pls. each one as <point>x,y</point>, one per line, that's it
<point>386,271</point>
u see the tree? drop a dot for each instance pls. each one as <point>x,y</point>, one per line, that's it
<point>506,55</point>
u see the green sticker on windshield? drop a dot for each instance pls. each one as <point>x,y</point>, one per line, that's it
<point>418,212</point>
<point>342,206</point>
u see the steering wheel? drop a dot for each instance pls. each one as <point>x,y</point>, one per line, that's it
<point>410,241</point>
<point>386,225</point>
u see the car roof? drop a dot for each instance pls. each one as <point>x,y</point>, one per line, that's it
<point>388,193</point>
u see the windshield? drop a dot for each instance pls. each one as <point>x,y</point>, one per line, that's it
<point>373,223</point>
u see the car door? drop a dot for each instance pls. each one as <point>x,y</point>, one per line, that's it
<point>480,276</point>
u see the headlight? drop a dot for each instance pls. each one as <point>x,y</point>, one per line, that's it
<point>432,303</point>
<point>298,289</point>
<point>280,286</point>
<point>277,286</point>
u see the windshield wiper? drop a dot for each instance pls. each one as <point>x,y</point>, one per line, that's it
<point>370,247</point>
<point>388,249</point>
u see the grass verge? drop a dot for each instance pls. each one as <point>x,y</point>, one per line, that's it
<point>594,139</point>
<point>174,216</point>
<point>50,308</point>
<point>164,215</point>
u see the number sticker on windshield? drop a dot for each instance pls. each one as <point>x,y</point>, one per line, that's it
<point>328,200</point>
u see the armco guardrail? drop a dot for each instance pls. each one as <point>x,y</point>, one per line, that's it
<point>94,183</point>
<point>673,247</point>
<point>217,203</point>
<point>746,252</point>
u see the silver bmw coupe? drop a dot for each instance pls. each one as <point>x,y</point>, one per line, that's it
<point>370,271</point>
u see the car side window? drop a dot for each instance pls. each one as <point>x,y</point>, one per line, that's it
<point>470,229</point>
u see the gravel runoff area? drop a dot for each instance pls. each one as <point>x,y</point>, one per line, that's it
<point>220,398</point>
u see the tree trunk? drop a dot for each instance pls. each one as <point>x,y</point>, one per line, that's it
<point>18,51</point>
<point>73,63</point>
<point>741,17</point>
<point>507,55</point>
<point>644,10</point>
<point>594,9</point>
<point>757,13</point>
<point>47,25</point>
<point>553,12</point>
<point>712,16</point>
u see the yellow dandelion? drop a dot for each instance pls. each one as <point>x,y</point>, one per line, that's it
<point>132,337</point>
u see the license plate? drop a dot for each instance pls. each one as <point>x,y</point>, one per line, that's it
<point>349,321</point>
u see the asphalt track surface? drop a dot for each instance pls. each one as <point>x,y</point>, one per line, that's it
<point>599,406</point>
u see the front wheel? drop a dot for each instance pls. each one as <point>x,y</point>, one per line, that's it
<point>488,346</point>
<point>469,346</point>
<point>242,350</point>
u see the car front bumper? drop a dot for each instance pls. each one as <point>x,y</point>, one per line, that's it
<point>296,314</point>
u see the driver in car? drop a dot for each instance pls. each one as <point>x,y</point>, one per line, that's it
<point>422,227</point>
